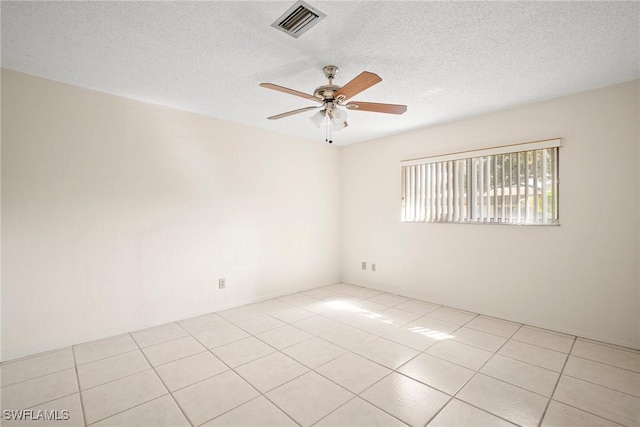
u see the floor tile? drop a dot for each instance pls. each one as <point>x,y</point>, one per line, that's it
<point>269,306</point>
<point>113,368</point>
<point>314,352</point>
<point>359,292</point>
<point>605,375</point>
<point>461,354</point>
<point>32,367</point>
<point>610,404</point>
<point>353,372</point>
<point>227,390</point>
<point>342,287</point>
<point>604,354</point>
<point>359,413</point>
<point>114,397</point>
<point>220,336</point>
<point>343,302</point>
<point>320,293</point>
<point>309,398</point>
<point>24,395</point>
<point>101,349</point>
<point>388,299</point>
<point>386,353</point>
<point>483,340</point>
<point>397,316</point>
<point>291,314</point>
<point>284,336</point>
<point>319,306</point>
<point>346,317</point>
<point>258,412</point>
<point>299,300</point>
<point>239,314</point>
<point>437,373</point>
<point>187,371</point>
<point>413,337</point>
<point>369,307</point>
<point>494,326</point>
<point>240,352</point>
<point>169,351</point>
<point>543,338</point>
<point>521,374</point>
<point>158,334</point>
<point>410,401</point>
<point>535,355</point>
<point>452,315</point>
<point>417,306</point>
<point>461,414</point>
<point>561,415</point>
<point>504,400</point>
<point>160,412</point>
<point>256,325</point>
<point>373,325</point>
<point>347,337</point>
<point>316,325</point>
<point>202,323</point>
<point>70,403</point>
<point>353,337</point>
<point>433,325</point>
<point>271,371</point>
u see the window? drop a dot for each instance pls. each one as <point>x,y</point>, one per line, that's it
<point>515,184</point>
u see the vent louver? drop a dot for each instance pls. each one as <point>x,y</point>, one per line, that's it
<point>298,19</point>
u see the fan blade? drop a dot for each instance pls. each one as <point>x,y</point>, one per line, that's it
<point>291,113</point>
<point>289,91</point>
<point>361,82</point>
<point>376,107</point>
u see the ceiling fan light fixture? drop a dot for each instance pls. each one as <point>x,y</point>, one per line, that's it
<point>332,96</point>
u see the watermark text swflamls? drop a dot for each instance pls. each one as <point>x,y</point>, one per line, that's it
<point>36,415</point>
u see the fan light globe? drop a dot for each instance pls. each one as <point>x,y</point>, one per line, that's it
<point>318,118</point>
<point>339,120</point>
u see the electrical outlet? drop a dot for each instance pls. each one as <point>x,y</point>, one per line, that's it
<point>364,265</point>
<point>222,283</point>
<point>373,267</point>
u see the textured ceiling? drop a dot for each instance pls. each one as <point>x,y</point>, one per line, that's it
<point>445,60</point>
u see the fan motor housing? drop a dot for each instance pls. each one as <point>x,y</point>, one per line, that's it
<point>326,92</point>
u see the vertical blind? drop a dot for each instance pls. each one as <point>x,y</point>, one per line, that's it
<point>505,185</point>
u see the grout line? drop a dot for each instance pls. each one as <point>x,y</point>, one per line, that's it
<point>476,372</point>
<point>587,412</point>
<point>84,416</point>
<point>115,379</point>
<point>555,387</point>
<point>137,405</point>
<point>600,385</point>
<point>309,370</point>
<point>162,381</point>
<point>238,374</point>
<point>606,364</point>
<point>36,377</point>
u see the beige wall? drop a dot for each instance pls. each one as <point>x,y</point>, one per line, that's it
<point>118,215</point>
<point>581,277</point>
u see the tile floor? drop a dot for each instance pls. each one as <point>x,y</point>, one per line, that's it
<point>340,355</point>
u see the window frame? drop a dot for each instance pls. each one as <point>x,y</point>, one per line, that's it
<point>465,201</point>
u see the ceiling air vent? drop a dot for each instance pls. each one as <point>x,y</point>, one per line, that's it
<point>298,19</point>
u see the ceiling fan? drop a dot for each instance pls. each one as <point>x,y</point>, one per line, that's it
<point>331,97</point>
